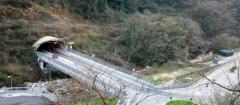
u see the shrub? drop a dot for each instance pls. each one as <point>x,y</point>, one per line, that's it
<point>20,3</point>
<point>215,17</point>
<point>26,55</point>
<point>180,102</point>
<point>236,9</point>
<point>226,99</point>
<point>99,9</point>
<point>225,41</point>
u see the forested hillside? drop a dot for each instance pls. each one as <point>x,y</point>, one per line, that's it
<point>129,33</point>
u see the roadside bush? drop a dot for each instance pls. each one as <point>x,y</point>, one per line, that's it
<point>17,56</point>
<point>26,55</point>
<point>215,17</point>
<point>20,3</point>
<point>180,102</point>
<point>17,79</point>
<point>227,99</point>
<point>99,9</point>
<point>236,9</point>
<point>225,41</point>
<point>16,43</point>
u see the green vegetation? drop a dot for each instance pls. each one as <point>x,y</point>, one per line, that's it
<point>96,101</point>
<point>18,77</point>
<point>180,102</point>
<point>129,33</point>
<point>151,79</point>
<point>113,10</point>
<point>20,3</point>
<point>227,99</point>
<point>185,73</point>
<point>194,76</point>
<point>16,42</point>
<point>189,78</point>
<point>146,44</point>
<point>16,52</point>
<point>167,72</point>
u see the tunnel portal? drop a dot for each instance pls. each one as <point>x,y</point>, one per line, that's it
<point>49,43</point>
<point>50,46</point>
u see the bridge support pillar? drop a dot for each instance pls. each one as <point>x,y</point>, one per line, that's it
<point>43,66</point>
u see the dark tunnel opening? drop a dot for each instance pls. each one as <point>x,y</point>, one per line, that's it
<point>51,46</point>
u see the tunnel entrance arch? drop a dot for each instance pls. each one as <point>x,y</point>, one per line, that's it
<point>49,43</point>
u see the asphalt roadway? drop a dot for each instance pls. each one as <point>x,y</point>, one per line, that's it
<point>25,100</point>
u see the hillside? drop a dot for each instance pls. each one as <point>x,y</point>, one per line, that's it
<point>129,33</point>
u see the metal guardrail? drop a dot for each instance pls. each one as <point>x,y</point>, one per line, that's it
<point>124,72</point>
<point>34,91</point>
<point>182,85</point>
<point>6,90</point>
<point>107,64</point>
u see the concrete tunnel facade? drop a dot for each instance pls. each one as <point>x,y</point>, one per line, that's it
<point>49,43</point>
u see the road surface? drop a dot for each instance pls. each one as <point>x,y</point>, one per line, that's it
<point>25,100</point>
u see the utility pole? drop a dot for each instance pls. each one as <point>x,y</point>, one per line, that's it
<point>11,82</point>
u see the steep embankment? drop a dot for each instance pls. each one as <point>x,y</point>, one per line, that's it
<point>21,25</point>
<point>19,29</point>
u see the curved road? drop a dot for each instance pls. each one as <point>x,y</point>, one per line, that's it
<point>138,91</point>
